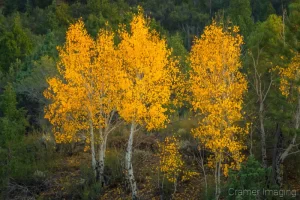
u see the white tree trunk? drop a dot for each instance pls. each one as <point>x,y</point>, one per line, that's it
<point>102,151</point>
<point>287,151</point>
<point>128,163</point>
<point>263,133</point>
<point>204,172</point>
<point>218,179</point>
<point>292,144</point>
<point>258,84</point>
<point>103,135</point>
<point>93,148</point>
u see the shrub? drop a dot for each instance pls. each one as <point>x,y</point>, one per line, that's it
<point>29,165</point>
<point>114,165</point>
<point>250,177</point>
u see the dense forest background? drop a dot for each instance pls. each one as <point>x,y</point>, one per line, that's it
<point>33,166</point>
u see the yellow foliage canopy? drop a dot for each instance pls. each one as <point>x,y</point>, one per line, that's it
<point>86,92</point>
<point>148,71</point>
<point>171,163</point>
<point>217,89</point>
<point>290,75</point>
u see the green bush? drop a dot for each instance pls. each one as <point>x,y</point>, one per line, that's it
<point>28,162</point>
<point>82,187</point>
<point>114,165</point>
<point>211,188</point>
<point>251,177</point>
<point>92,192</point>
<point>166,189</point>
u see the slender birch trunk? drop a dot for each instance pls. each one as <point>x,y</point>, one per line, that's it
<point>258,84</point>
<point>276,163</point>
<point>297,123</point>
<point>102,151</point>
<point>128,162</point>
<point>218,179</point>
<point>103,135</point>
<point>288,150</point>
<point>204,172</point>
<point>263,134</point>
<point>93,149</point>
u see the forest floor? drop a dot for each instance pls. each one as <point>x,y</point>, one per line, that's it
<point>67,180</point>
<point>70,177</point>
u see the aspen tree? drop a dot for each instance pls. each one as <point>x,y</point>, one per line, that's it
<point>289,87</point>
<point>147,82</point>
<point>217,89</point>
<point>85,95</point>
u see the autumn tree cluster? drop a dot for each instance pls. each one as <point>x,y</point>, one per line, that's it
<point>208,89</point>
<point>101,82</point>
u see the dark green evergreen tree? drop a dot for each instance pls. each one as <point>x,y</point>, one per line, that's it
<point>14,44</point>
<point>240,13</point>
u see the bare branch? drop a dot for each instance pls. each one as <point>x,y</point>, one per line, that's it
<point>294,152</point>
<point>265,95</point>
